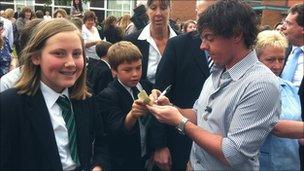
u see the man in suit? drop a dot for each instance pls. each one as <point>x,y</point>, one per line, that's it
<point>184,66</point>
<point>293,30</point>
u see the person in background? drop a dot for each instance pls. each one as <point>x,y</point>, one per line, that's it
<point>47,15</point>
<point>25,16</point>
<point>39,14</point>
<point>9,14</point>
<point>99,71</point>
<point>139,20</point>
<point>5,52</point>
<point>76,9</point>
<point>127,122</point>
<point>189,26</point>
<point>278,27</point>
<point>60,13</point>
<point>90,34</point>
<point>111,31</point>
<point>55,126</point>
<point>9,80</point>
<point>8,31</point>
<point>293,27</point>
<point>124,23</point>
<point>152,40</point>
<point>279,153</point>
<point>240,101</point>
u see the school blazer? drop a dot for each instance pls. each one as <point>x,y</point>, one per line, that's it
<point>125,149</point>
<point>27,137</point>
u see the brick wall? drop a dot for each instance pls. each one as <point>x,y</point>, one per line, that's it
<point>183,9</point>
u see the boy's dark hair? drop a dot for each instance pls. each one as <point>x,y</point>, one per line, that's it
<point>229,18</point>
<point>122,52</point>
<point>102,48</point>
<point>298,9</point>
<point>39,14</point>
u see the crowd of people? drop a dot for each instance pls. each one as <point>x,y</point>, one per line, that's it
<point>224,93</point>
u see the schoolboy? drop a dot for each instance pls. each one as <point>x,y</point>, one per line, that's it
<point>125,117</point>
<point>99,73</point>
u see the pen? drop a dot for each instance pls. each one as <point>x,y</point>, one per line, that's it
<point>165,91</point>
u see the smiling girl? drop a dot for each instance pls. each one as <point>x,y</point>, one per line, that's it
<point>38,132</point>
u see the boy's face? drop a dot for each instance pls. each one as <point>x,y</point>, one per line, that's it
<point>129,73</point>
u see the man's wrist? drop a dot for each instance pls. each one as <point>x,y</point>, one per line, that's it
<point>181,125</point>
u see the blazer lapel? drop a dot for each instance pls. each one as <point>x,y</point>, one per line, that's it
<point>201,59</point>
<point>42,128</point>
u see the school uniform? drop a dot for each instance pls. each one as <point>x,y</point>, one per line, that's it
<point>33,135</point>
<point>125,146</point>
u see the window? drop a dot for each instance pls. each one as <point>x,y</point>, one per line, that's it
<point>97,3</point>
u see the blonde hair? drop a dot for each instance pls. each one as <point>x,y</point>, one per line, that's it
<point>29,82</point>
<point>124,22</point>
<point>122,52</point>
<point>9,13</point>
<point>271,38</point>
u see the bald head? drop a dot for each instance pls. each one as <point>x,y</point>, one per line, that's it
<point>203,5</point>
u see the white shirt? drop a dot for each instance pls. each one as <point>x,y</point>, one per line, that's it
<point>90,36</point>
<point>59,126</point>
<point>154,54</point>
<point>297,78</point>
<point>9,80</point>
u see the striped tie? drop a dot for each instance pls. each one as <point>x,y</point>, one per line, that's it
<point>69,119</point>
<point>210,62</point>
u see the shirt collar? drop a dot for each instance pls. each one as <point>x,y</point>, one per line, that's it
<point>240,68</point>
<point>146,34</point>
<point>138,86</point>
<point>50,96</point>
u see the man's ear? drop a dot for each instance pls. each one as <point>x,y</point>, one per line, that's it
<point>36,59</point>
<point>238,37</point>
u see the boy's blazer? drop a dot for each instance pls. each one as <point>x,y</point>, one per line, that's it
<point>115,102</point>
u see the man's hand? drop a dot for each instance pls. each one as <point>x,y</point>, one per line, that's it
<point>166,114</point>
<point>162,158</point>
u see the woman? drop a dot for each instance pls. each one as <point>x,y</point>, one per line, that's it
<point>189,26</point>
<point>76,9</point>
<point>60,13</point>
<point>90,34</point>
<point>152,40</point>
<point>280,153</point>
<point>36,135</point>
<point>25,16</point>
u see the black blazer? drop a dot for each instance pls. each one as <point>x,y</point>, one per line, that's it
<point>27,136</point>
<point>99,75</point>
<point>185,67</point>
<point>115,103</point>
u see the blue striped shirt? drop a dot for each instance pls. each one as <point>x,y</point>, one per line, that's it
<point>242,105</point>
